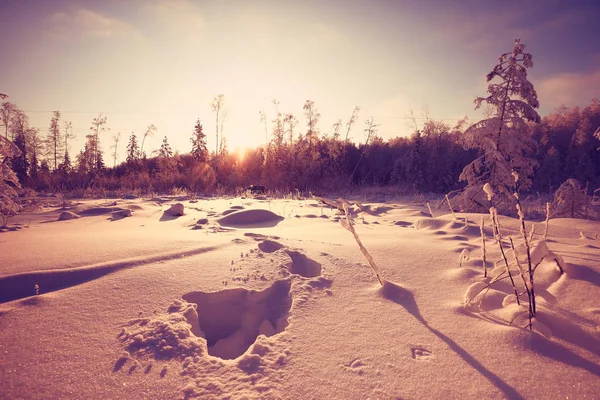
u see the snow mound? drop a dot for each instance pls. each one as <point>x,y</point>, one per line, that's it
<point>116,215</point>
<point>430,223</point>
<point>232,319</point>
<point>174,335</point>
<point>67,215</point>
<point>250,218</point>
<point>176,210</point>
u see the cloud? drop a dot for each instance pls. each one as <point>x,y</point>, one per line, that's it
<point>570,89</point>
<point>84,22</point>
<point>478,29</point>
<point>181,18</point>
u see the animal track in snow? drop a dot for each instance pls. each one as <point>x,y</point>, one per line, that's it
<point>302,265</point>
<point>355,365</point>
<point>420,353</point>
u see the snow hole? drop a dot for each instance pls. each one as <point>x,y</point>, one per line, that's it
<point>231,320</point>
<point>302,265</point>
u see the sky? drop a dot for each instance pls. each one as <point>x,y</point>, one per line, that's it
<point>161,62</point>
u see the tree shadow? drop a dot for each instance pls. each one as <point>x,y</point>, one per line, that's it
<point>560,353</point>
<point>405,298</point>
<point>582,273</point>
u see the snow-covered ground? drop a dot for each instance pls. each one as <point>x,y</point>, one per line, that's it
<point>232,301</point>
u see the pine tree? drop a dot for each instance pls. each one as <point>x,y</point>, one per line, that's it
<point>66,166</point>
<point>416,163</point>
<point>34,168</point>
<point>503,139</point>
<point>20,164</point>
<point>54,140</point>
<point>199,149</point>
<point>165,150</point>
<point>133,150</point>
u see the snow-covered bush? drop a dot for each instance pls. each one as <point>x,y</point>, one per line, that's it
<point>570,200</point>
<point>503,139</point>
<point>8,181</point>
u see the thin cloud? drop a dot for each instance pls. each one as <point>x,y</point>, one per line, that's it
<point>570,89</point>
<point>181,18</point>
<point>83,22</point>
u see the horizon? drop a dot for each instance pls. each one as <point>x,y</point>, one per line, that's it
<point>162,62</point>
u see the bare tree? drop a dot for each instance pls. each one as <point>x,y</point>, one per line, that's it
<point>292,122</point>
<point>371,132</point>
<point>312,118</point>
<point>263,118</point>
<point>217,105</point>
<point>412,118</point>
<point>278,127</point>
<point>7,111</point>
<point>115,146</point>
<point>336,129</point>
<point>222,143</point>
<point>352,120</point>
<point>68,134</point>
<point>98,127</point>
<point>149,132</point>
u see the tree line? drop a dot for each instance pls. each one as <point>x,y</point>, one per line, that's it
<point>564,145</point>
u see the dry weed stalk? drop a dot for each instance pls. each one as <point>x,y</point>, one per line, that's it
<point>547,220</point>
<point>516,255</point>
<point>498,236</point>
<point>487,188</point>
<point>483,254</point>
<point>450,207</point>
<point>347,223</point>
<point>531,291</point>
<point>532,233</point>
<point>430,212</point>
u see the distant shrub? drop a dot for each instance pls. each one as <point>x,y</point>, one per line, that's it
<point>570,201</point>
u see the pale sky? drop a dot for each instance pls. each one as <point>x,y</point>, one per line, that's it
<point>162,61</point>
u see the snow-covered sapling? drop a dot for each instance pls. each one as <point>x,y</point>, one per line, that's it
<point>502,139</point>
<point>8,181</point>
